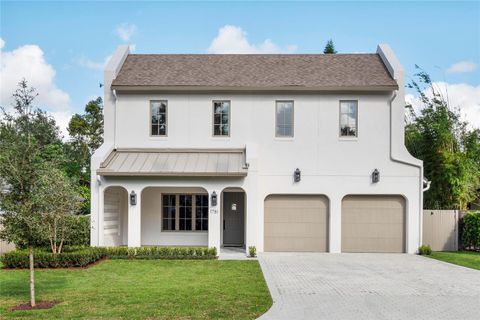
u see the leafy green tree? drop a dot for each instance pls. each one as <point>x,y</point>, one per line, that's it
<point>449,149</point>
<point>329,47</point>
<point>56,198</point>
<point>26,136</point>
<point>86,132</point>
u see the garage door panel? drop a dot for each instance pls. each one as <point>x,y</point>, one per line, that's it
<point>290,215</point>
<point>296,223</point>
<point>295,229</point>
<point>386,246</point>
<point>304,244</point>
<point>373,224</point>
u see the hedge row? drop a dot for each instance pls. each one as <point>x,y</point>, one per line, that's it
<point>83,256</point>
<point>162,253</point>
<point>471,230</point>
<point>80,257</point>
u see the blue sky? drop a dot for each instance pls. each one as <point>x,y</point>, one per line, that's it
<point>76,37</point>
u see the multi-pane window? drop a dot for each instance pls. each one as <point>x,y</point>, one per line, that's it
<point>169,208</point>
<point>221,118</point>
<point>348,118</point>
<point>201,212</point>
<point>185,212</point>
<point>284,119</point>
<point>158,112</point>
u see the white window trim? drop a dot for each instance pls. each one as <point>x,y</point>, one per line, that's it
<point>284,138</point>
<point>347,138</point>
<point>157,136</point>
<point>229,119</point>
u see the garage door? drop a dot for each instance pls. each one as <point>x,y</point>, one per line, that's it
<point>296,223</point>
<point>373,224</point>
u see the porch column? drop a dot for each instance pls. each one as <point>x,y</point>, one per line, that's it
<point>335,232</point>
<point>98,226</point>
<point>214,221</point>
<point>134,219</point>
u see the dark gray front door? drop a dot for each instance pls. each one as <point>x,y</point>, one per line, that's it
<point>233,219</point>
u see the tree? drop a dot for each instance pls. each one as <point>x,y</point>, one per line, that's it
<point>30,144</point>
<point>329,47</point>
<point>449,149</point>
<point>55,197</point>
<point>86,132</point>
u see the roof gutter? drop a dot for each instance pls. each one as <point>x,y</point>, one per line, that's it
<point>195,88</point>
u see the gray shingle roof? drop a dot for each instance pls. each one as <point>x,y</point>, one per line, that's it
<point>255,71</point>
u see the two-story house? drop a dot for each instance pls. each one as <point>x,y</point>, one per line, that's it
<point>285,152</point>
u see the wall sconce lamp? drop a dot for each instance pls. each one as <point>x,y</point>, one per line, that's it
<point>297,175</point>
<point>214,199</point>
<point>133,198</point>
<point>375,176</point>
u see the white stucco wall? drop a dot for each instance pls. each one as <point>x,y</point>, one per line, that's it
<point>330,165</point>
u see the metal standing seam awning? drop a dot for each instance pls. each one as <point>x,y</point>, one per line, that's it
<point>175,162</point>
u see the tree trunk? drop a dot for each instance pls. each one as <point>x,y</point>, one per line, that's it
<point>32,278</point>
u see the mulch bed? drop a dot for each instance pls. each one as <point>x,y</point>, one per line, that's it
<point>38,306</point>
<point>69,268</point>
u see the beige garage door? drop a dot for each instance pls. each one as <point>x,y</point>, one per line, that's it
<point>373,224</point>
<point>296,223</point>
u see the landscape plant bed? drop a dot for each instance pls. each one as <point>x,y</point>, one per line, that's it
<point>83,257</point>
<point>38,306</point>
<point>142,289</point>
<point>62,268</point>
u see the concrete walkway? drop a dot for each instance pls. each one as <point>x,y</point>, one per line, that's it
<point>368,286</point>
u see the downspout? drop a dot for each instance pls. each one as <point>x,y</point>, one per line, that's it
<point>420,167</point>
<point>115,120</point>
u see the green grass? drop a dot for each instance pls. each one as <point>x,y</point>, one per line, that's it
<point>467,259</point>
<point>142,289</point>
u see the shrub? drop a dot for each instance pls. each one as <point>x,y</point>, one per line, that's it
<point>471,230</point>
<point>162,253</point>
<point>425,250</point>
<point>79,231</point>
<point>252,251</point>
<point>78,256</point>
<point>71,257</point>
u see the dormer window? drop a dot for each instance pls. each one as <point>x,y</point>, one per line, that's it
<point>349,118</point>
<point>158,113</point>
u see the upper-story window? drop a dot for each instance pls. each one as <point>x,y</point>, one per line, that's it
<point>284,119</point>
<point>349,118</point>
<point>158,113</point>
<point>221,118</point>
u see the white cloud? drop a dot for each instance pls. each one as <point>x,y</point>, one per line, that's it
<point>460,95</point>
<point>462,67</point>
<point>93,65</point>
<point>2,43</point>
<point>232,39</point>
<point>28,62</point>
<point>125,31</point>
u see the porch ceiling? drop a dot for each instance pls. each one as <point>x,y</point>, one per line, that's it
<point>175,162</point>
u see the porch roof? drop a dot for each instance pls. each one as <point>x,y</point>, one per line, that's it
<point>175,162</point>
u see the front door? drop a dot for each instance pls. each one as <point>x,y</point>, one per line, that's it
<point>234,219</point>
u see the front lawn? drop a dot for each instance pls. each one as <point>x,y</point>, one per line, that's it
<point>467,259</point>
<point>141,289</point>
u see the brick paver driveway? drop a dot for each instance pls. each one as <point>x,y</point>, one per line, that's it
<point>368,286</point>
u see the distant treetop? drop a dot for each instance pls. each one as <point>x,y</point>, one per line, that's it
<point>329,48</point>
